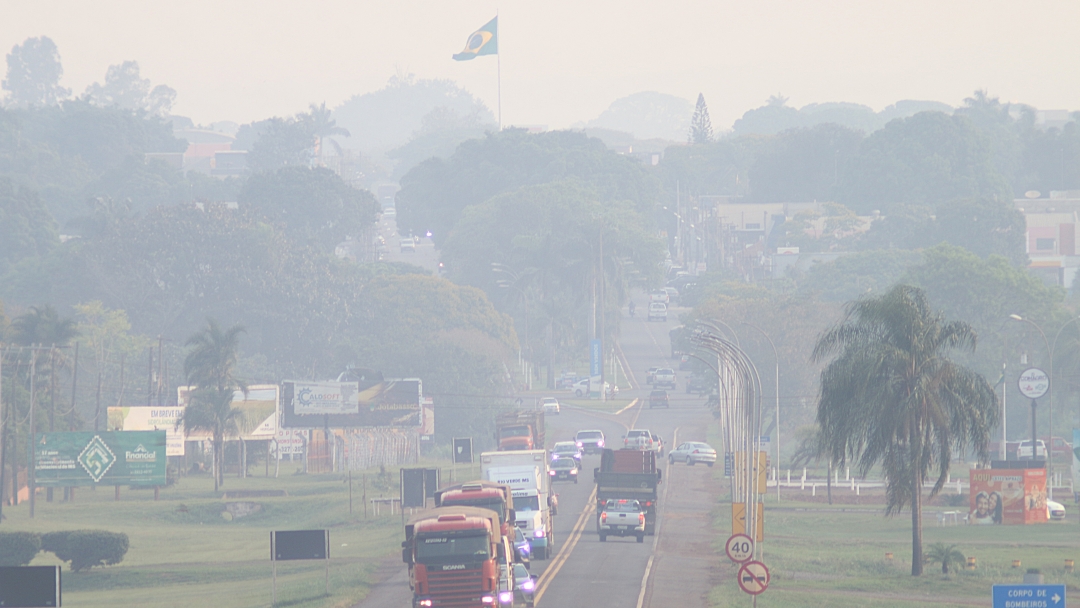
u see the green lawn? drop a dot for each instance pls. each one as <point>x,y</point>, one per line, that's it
<point>183,552</point>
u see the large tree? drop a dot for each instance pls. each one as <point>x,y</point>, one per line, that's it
<point>891,396</point>
<point>33,76</point>
<point>700,124</point>
<point>210,368</point>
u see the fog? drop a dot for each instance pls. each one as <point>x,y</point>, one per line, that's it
<point>564,62</point>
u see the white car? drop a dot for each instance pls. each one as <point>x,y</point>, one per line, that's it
<point>581,388</point>
<point>408,245</point>
<point>657,311</point>
<point>550,405</point>
<point>693,452</point>
<point>1055,511</point>
<point>660,296</point>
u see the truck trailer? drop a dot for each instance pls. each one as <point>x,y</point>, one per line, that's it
<point>526,472</point>
<point>629,475</point>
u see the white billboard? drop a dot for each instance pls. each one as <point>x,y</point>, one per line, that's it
<point>259,407</point>
<point>151,419</point>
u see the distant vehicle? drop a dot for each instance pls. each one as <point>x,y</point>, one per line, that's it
<point>389,212</point>
<point>698,384</point>
<point>564,469</point>
<point>521,546</point>
<point>638,439</point>
<point>550,405</point>
<point>672,293</point>
<point>658,444</point>
<point>657,311</point>
<point>566,449</point>
<point>621,517</point>
<point>590,442</point>
<point>665,377</point>
<point>650,375</point>
<point>659,398</point>
<point>693,452</point>
<point>524,585</point>
<point>1055,511</point>
<point>660,296</point>
<point>1023,452</point>
<point>408,245</point>
<point>684,362</point>
<point>582,388</point>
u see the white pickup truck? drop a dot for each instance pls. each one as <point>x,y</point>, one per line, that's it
<point>621,517</point>
<point>664,376</point>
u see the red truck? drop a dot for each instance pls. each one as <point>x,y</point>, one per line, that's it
<point>520,430</point>
<point>458,558</point>
<point>482,494</point>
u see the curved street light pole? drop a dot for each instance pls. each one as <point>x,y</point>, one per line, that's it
<point>1034,435</point>
<point>776,394</point>
<point>1050,448</point>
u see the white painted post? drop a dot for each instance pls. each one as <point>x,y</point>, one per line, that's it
<point>804,473</point>
<point>813,490</point>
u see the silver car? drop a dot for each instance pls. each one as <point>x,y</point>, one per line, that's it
<point>693,452</point>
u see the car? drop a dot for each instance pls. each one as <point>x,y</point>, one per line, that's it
<point>408,245</point>
<point>590,441</point>
<point>550,405</point>
<point>566,449</point>
<point>638,439</point>
<point>658,445</point>
<point>389,212</point>
<point>1055,511</point>
<point>583,387</point>
<point>524,586</point>
<point>693,452</point>
<point>650,375</point>
<point>698,384</point>
<point>658,398</point>
<point>672,293</point>
<point>657,311</point>
<point>660,296</point>
<point>665,377</point>
<point>564,469</point>
<point>684,362</point>
<point>521,545</point>
<point>621,517</point>
<point>1023,452</point>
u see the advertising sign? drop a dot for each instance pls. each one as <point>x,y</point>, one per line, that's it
<point>427,420</point>
<point>151,419</point>
<point>110,458</point>
<point>290,441</point>
<point>259,408</point>
<point>1033,383</point>
<point>1007,496</point>
<point>596,358</point>
<point>390,403</point>
<point>324,398</point>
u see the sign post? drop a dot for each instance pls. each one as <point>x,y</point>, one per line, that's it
<point>1033,384</point>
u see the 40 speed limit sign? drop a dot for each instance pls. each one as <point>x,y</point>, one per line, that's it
<point>740,548</point>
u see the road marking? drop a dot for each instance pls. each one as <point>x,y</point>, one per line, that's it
<point>648,330</point>
<point>632,404</point>
<point>656,538</point>
<point>568,547</point>
<point>644,583</point>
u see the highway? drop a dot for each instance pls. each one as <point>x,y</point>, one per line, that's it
<point>678,565</point>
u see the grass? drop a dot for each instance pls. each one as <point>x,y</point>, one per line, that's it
<point>183,552</point>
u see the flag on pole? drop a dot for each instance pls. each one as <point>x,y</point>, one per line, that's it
<point>484,41</point>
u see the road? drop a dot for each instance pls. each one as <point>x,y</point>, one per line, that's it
<point>678,565</point>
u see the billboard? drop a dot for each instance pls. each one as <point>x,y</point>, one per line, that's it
<point>1007,496</point>
<point>259,407</point>
<point>151,419</point>
<point>110,458</point>
<point>391,403</point>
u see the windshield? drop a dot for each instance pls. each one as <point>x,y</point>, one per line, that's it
<point>444,548</point>
<point>633,434</point>
<point>567,448</point>
<point>590,435</point>
<point>564,463</point>
<point>515,431</point>
<point>526,503</point>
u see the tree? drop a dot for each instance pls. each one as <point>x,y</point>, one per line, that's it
<point>33,76</point>
<point>210,367</point>
<point>803,164</point>
<point>322,125</point>
<point>892,396</point>
<point>946,555</point>
<point>27,229</point>
<point>283,142</point>
<point>700,125</point>
<point>125,88</point>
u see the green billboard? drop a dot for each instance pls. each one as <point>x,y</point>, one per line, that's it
<point>111,458</point>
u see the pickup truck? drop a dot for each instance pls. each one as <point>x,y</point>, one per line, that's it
<point>664,376</point>
<point>621,517</point>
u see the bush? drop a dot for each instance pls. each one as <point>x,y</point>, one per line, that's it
<point>18,548</point>
<point>85,549</point>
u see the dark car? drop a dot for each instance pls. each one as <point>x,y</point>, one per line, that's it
<point>658,399</point>
<point>565,469</point>
<point>698,384</point>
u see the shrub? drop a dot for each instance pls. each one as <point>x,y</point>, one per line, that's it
<point>18,548</point>
<point>85,549</point>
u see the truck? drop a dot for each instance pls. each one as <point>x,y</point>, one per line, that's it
<point>458,557</point>
<point>664,377</point>
<point>526,472</point>
<point>629,475</point>
<point>621,517</point>
<point>483,494</point>
<point>520,430</point>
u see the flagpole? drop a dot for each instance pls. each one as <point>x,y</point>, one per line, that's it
<point>498,77</point>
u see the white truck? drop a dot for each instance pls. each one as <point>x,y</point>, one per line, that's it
<point>526,472</point>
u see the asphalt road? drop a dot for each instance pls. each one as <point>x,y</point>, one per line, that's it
<point>677,566</point>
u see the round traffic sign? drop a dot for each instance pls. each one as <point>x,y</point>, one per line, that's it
<point>740,548</point>
<point>753,577</point>
<point>1033,383</point>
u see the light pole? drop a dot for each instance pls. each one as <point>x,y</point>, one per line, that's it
<point>1050,448</point>
<point>513,284</point>
<point>1034,436</point>
<point>776,393</point>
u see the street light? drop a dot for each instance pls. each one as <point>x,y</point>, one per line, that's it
<point>1050,448</point>
<point>776,392</point>
<point>1034,435</point>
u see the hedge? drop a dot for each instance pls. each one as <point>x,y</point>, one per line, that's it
<point>85,549</point>
<point>18,548</point>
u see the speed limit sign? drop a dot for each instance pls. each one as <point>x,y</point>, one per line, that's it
<point>740,548</point>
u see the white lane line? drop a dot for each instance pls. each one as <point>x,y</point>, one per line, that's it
<point>644,581</point>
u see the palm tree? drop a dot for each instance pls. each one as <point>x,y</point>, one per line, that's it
<point>323,125</point>
<point>892,397</point>
<point>946,554</point>
<point>210,367</point>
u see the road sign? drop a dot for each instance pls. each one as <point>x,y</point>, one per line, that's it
<point>742,476</point>
<point>753,577</point>
<point>729,464</point>
<point>1014,596</point>
<point>1033,383</point>
<point>738,520</point>
<point>740,548</point>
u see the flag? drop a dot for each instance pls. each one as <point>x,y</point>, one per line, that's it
<point>484,41</point>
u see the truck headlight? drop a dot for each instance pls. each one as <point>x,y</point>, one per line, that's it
<point>506,597</point>
<point>487,599</point>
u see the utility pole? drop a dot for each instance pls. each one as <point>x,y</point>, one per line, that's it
<point>603,317</point>
<point>3,432</point>
<point>30,441</point>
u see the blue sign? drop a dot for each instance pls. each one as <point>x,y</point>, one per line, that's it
<point>729,464</point>
<point>1029,596</point>
<point>596,358</point>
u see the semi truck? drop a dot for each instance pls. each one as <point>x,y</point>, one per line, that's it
<point>526,472</point>
<point>629,475</point>
<point>459,558</point>
<point>482,494</point>
<point>520,430</point>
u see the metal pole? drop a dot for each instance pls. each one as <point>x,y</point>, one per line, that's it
<point>1050,390</point>
<point>3,432</point>
<point>776,391</point>
<point>30,447</point>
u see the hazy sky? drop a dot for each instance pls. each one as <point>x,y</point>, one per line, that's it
<point>565,61</point>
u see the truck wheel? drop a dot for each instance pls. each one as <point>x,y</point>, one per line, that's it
<point>603,538</point>
<point>641,538</point>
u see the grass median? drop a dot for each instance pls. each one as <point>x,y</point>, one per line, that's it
<point>187,549</point>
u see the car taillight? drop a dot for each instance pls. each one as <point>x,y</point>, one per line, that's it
<point>539,534</point>
<point>648,503</point>
<point>603,517</point>
<point>695,451</point>
<point>640,518</point>
<point>579,444</point>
